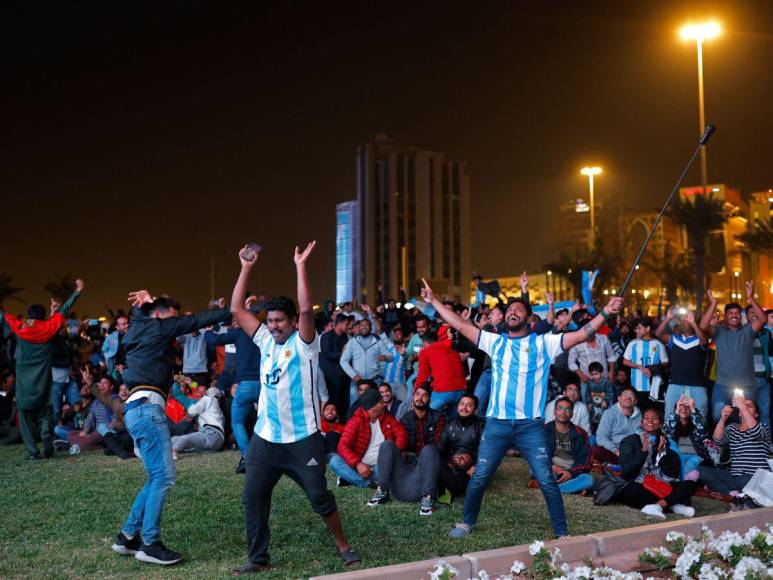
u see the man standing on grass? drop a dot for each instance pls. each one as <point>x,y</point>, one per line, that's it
<point>520,362</point>
<point>150,363</point>
<point>35,340</point>
<point>287,439</point>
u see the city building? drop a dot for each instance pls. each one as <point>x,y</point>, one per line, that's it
<point>412,221</point>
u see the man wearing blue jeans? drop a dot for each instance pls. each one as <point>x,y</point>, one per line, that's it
<point>569,449</point>
<point>247,380</point>
<point>148,374</point>
<point>735,354</point>
<point>520,363</point>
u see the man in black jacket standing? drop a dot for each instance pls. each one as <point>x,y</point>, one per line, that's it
<point>150,362</point>
<point>332,344</point>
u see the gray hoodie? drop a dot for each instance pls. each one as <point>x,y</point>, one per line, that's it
<point>615,426</point>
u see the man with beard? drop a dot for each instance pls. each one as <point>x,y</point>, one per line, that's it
<point>520,367</point>
<point>458,448</point>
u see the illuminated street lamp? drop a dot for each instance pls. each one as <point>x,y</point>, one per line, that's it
<point>590,172</point>
<point>700,33</point>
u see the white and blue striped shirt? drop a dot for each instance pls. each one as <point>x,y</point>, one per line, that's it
<point>519,373</point>
<point>394,370</point>
<point>645,353</point>
<point>288,403</point>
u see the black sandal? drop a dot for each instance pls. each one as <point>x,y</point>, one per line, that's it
<point>349,557</point>
<point>250,568</point>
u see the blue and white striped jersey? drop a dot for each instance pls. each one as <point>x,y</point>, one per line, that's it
<point>519,373</point>
<point>645,353</point>
<point>289,402</point>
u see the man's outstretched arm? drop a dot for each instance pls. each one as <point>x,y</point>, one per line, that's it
<point>467,328</point>
<point>79,286</point>
<point>247,321</point>
<point>305,308</point>
<point>573,338</point>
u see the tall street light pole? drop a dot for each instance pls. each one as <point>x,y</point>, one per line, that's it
<point>700,33</point>
<point>590,172</point>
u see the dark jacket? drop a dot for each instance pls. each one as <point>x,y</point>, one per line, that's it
<point>632,458</point>
<point>426,432</point>
<point>461,436</point>
<point>247,352</point>
<point>580,447</point>
<point>331,346</point>
<point>394,407</point>
<point>149,352</point>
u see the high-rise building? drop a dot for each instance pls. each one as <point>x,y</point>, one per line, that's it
<point>414,222</point>
<point>347,250</point>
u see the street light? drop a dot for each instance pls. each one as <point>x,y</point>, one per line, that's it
<point>590,172</point>
<point>700,33</point>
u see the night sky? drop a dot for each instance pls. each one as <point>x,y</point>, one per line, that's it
<point>137,145</point>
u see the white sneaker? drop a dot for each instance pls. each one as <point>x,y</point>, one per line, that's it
<point>654,511</point>
<point>683,510</point>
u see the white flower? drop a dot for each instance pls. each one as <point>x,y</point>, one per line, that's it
<point>582,573</point>
<point>517,568</point>
<point>440,568</point>
<point>555,557</point>
<point>535,548</point>
<point>691,556</point>
<point>769,538</point>
<point>751,534</point>
<point>710,572</point>
<point>749,566</point>
<point>674,536</point>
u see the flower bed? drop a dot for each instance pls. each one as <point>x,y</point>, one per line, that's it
<point>727,556</point>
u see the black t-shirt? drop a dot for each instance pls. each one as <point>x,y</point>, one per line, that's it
<point>688,360</point>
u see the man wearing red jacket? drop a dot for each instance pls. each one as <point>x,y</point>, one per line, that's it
<point>371,425</point>
<point>444,365</point>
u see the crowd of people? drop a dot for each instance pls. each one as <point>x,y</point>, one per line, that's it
<point>396,396</point>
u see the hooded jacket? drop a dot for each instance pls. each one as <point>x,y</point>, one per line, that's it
<point>615,426</point>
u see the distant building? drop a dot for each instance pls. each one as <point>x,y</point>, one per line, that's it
<point>413,209</point>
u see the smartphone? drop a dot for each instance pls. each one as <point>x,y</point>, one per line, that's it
<point>251,251</point>
<point>682,311</point>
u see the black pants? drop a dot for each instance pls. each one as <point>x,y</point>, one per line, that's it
<point>454,480</point>
<point>303,462</point>
<point>408,481</point>
<point>338,384</point>
<point>634,495</point>
<point>120,444</point>
<point>36,425</point>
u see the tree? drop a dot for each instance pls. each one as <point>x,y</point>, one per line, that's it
<point>61,287</point>
<point>674,271</point>
<point>700,218</point>
<point>598,258</point>
<point>759,237</point>
<point>8,290</point>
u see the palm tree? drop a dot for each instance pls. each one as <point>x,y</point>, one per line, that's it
<point>62,286</point>
<point>700,218</point>
<point>674,271</point>
<point>759,237</point>
<point>8,290</point>
<point>598,258</point>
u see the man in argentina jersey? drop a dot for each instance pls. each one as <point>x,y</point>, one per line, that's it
<point>646,356</point>
<point>520,363</point>
<point>287,439</point>
<point>394,370</point>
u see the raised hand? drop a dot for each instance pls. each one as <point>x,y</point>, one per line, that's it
<point>689,317</point>
<point>524,282</point>
<point>86,375</point>
<point>466,313</point>
<point>301,257</point>
<point>710,295</point>
<point>55,305</point>
<point>221,302</point>
<point>749,290</point>
<point>245,253</point>
<point>614,305</point>
<point>79,285</point>
<point>140,297</point>
<point>250,301</point>
<point>426,293</point>
<point>549,298</point>
<point>672,312</point>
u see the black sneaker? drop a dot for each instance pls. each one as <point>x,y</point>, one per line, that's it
<point>427,506</point>
<point>126,546</point>
<point>341,482</point>
<point>48,449</point>
<point>157,553</point>
<point>379,498</point>
<point>242,467</point>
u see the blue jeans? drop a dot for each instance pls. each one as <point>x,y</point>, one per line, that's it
<point>350,474</point>
<point>104,428</point>
<point>61,432</point>
<point>577,484</point>
<point>528,435</point>
<point>483,391</point>
<point>70,392</point>
<point>448,400</point>
<point>698,393</point>
<point>763,400</point>
<point>147,425</point>
<point>246,396</point>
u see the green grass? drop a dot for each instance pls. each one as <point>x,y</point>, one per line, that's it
<point>58,519</point>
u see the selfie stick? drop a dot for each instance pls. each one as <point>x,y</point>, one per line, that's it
<point>704,139</point>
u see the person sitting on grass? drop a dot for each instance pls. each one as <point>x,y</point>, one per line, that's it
<point>210,420</point>
<point>580,416</point>
<point>569,449</point>
<point>365,433</point>
<point>600,392</point>
<point>652,470</point>
<point>362,386</point>
<point>100,416</point>
<point>330,428</point>
<point>412,476</point>
<point>392,403</point>
<point>72,418</point>
<point>686,427</point>
<point>458,449</point>
<point>617,422</point>
<point>749,443</point>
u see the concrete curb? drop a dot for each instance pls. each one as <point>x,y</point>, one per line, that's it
<point>617,548</point>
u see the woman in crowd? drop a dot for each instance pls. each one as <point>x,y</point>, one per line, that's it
<point>686,427</point>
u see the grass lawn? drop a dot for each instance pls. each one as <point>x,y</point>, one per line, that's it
<point>58,519</point>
